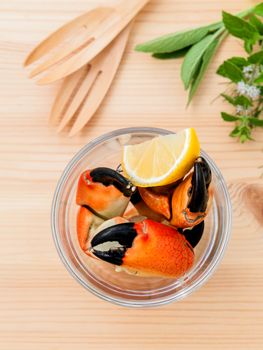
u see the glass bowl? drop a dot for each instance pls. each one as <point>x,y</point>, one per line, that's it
<point>99,277</point>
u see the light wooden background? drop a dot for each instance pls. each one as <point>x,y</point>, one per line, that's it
<point>41,306</point>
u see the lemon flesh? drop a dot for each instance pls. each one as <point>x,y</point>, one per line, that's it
<point>162,160</point>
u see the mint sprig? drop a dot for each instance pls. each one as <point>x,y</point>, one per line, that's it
<point>242,29</point>
<point>246,93</point>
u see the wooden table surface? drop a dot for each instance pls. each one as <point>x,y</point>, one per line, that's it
<point>41,305</point>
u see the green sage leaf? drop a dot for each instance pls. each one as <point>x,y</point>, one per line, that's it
<point>193,59</point>
<point>208,55</point>
<point>228,117</point>
<point>258,10</point>
<point>256,121</point>
<point>240,28</point>
<point>170,55</point>
<point>230,71</point>
<point>177,41</point>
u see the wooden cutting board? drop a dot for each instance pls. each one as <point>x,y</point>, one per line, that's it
<point>42,307</point>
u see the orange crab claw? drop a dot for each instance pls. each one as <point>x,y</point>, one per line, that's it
<point>146,247</point>
<point>192,198</point>
<point>159,203</point>
<point>193,234</point>
<point>88,225</point>
<point>104,192</point>
<point>138,208</point>
<point>87,222</point>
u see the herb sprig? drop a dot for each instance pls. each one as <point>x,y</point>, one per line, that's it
<point>246,77</point>
<point>199,45</point>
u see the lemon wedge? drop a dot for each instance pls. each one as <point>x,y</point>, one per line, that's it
<point>162,160</point>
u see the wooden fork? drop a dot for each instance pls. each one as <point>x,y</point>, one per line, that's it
<point>82,92</point>
<point>79,41</point>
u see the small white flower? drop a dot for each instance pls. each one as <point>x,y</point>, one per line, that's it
<point>253,70</point>
<point>248,90</point>
<point>248,69</point>
<point>248,75</point>
<point>239,109</point>
<point>253,92</point>
<point>242,87</point>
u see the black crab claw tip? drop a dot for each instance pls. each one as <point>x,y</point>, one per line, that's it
<point>108,177</point>
<point>206,171</point>
<point>121,236</point>
<point>194,235</point>
<point>113,256</point>
<point>199,194</point>
<point>136,197</point>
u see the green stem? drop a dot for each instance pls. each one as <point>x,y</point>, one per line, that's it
<point>246,12</point>
<point>220,31</point>
<point>223,36</point>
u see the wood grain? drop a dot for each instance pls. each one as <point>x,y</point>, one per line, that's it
<point>41,306</point>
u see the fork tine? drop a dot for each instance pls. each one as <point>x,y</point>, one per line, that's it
<point>63,53</point>
<point>54,39</point>
<point>81,40</point>
<point>85,86</point>
<point>103,38</point>
<point>65,94</point>
<point>81,91</point>
<point>110,64</point>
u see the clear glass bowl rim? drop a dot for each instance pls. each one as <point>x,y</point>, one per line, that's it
<point>119,301</point>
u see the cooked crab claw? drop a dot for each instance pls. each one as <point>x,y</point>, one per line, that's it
<point>206,170</point>
<point>159,203</point>
<point>192,198</point>
<point>193,234</point>
<point>146,247</point>
<point>104,192</point>
<point>138,208</point>
<point>201,179</point>
<point>89,224</point>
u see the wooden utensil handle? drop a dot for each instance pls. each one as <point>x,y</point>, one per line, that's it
<point>131,7</point>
